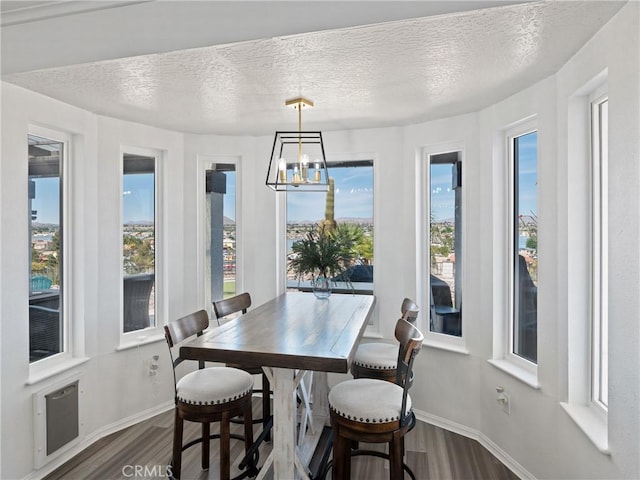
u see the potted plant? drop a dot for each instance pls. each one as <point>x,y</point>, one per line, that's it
<point>320,256</point>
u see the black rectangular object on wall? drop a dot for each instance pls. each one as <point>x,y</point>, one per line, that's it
<point>216,182</point>
<point>62,416</point>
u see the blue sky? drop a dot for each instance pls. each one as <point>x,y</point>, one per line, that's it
<point>528,174</point>
<point>138,203</point>
<point>229,208</point>
<point>353,194</point>
<point>137,194</point>
<point>353,197</point>
<point>443,196</point>
<point>47,200</point>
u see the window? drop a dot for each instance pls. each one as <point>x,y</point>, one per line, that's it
<point>221,213</point>
<point>445,243</point>
<point>599,318</point>
<point>47,332</point>
<point>586,262</point>
<point>523,156</point>
<point>138,241</point>
<point>351,206</point>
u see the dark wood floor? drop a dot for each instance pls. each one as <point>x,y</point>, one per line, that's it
<point>143,450</point>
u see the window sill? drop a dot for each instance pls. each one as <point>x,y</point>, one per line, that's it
<point>55,370</point>
<point>593,425</point>
<point>449,347</point>
<point>525,376</point>
<point>356,288</point>
<point>139,341</point>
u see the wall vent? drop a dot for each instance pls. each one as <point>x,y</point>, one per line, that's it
<point>56,420</point>
<point>61,409</point>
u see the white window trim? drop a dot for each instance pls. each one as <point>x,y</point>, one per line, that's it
<point>599,229</point>
<point>204,163</point>
<point>512,134</point>
<point>503,356</point>
<point>155,333</point>
<point>590,417</point>
<point>423,208</point>
<point>72,344</point>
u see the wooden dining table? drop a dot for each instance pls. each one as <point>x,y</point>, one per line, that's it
<point>297,338</point>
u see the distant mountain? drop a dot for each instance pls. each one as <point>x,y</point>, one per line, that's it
<point>228,221</point>
<point>140,223</point>
<point>44,225</point>
<point>444,220</point>
<point>356,220</point>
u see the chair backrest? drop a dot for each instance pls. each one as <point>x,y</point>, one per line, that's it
<point>410,339</point>
<point>227,306</point>
<point>178,330</point>
<point>136,297</point>
<point>409,310</point>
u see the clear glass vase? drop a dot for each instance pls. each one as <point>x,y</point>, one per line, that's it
<point>322,287</point>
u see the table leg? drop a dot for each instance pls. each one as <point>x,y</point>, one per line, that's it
<point>284,423</point>
<point>283,455</point>
<point>288,458</point>
<point>320,398</point>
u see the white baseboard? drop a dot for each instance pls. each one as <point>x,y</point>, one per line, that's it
<point>97,435</point>
<point>474,434</point>
<point>431,419</point>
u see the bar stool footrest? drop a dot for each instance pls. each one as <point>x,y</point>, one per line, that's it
<point>359,452</point>
<point>248,461</point>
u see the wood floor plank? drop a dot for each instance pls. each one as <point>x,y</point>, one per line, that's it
<point>431,452</point>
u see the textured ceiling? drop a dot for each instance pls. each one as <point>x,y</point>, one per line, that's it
<point>391,73</point>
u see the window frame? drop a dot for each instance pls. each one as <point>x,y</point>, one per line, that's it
<point>423,242</point>
<point>331,163</point>
<point>589,417</point>
<point>599,246</point>
<point>152,333</point>
<point>520,363</point>
<point>40,367</point>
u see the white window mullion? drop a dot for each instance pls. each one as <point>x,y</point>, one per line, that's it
<point>599,320</point>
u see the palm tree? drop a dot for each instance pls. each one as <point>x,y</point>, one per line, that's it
<point>321,252</point>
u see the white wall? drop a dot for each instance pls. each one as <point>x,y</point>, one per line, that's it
<point>538,435</point>
<point>458,390</point>
<point>114,383</point>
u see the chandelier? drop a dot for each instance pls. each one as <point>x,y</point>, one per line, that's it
<point>298,162</point>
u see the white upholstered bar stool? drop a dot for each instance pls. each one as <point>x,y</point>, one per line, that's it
<point>379,359</point>
<point>206,395</point>
<point>376,411</point>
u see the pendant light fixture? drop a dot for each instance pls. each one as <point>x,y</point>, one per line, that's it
<point>298,162</point>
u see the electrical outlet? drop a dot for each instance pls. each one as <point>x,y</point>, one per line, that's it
<point>153,365</point>
<point>506,403</point>
<point>504,400</point>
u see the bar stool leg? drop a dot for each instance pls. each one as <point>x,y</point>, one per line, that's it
<point>205,445</point>
<point>225,449</point>
<point>176,464</point>
<point>395,458</point>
